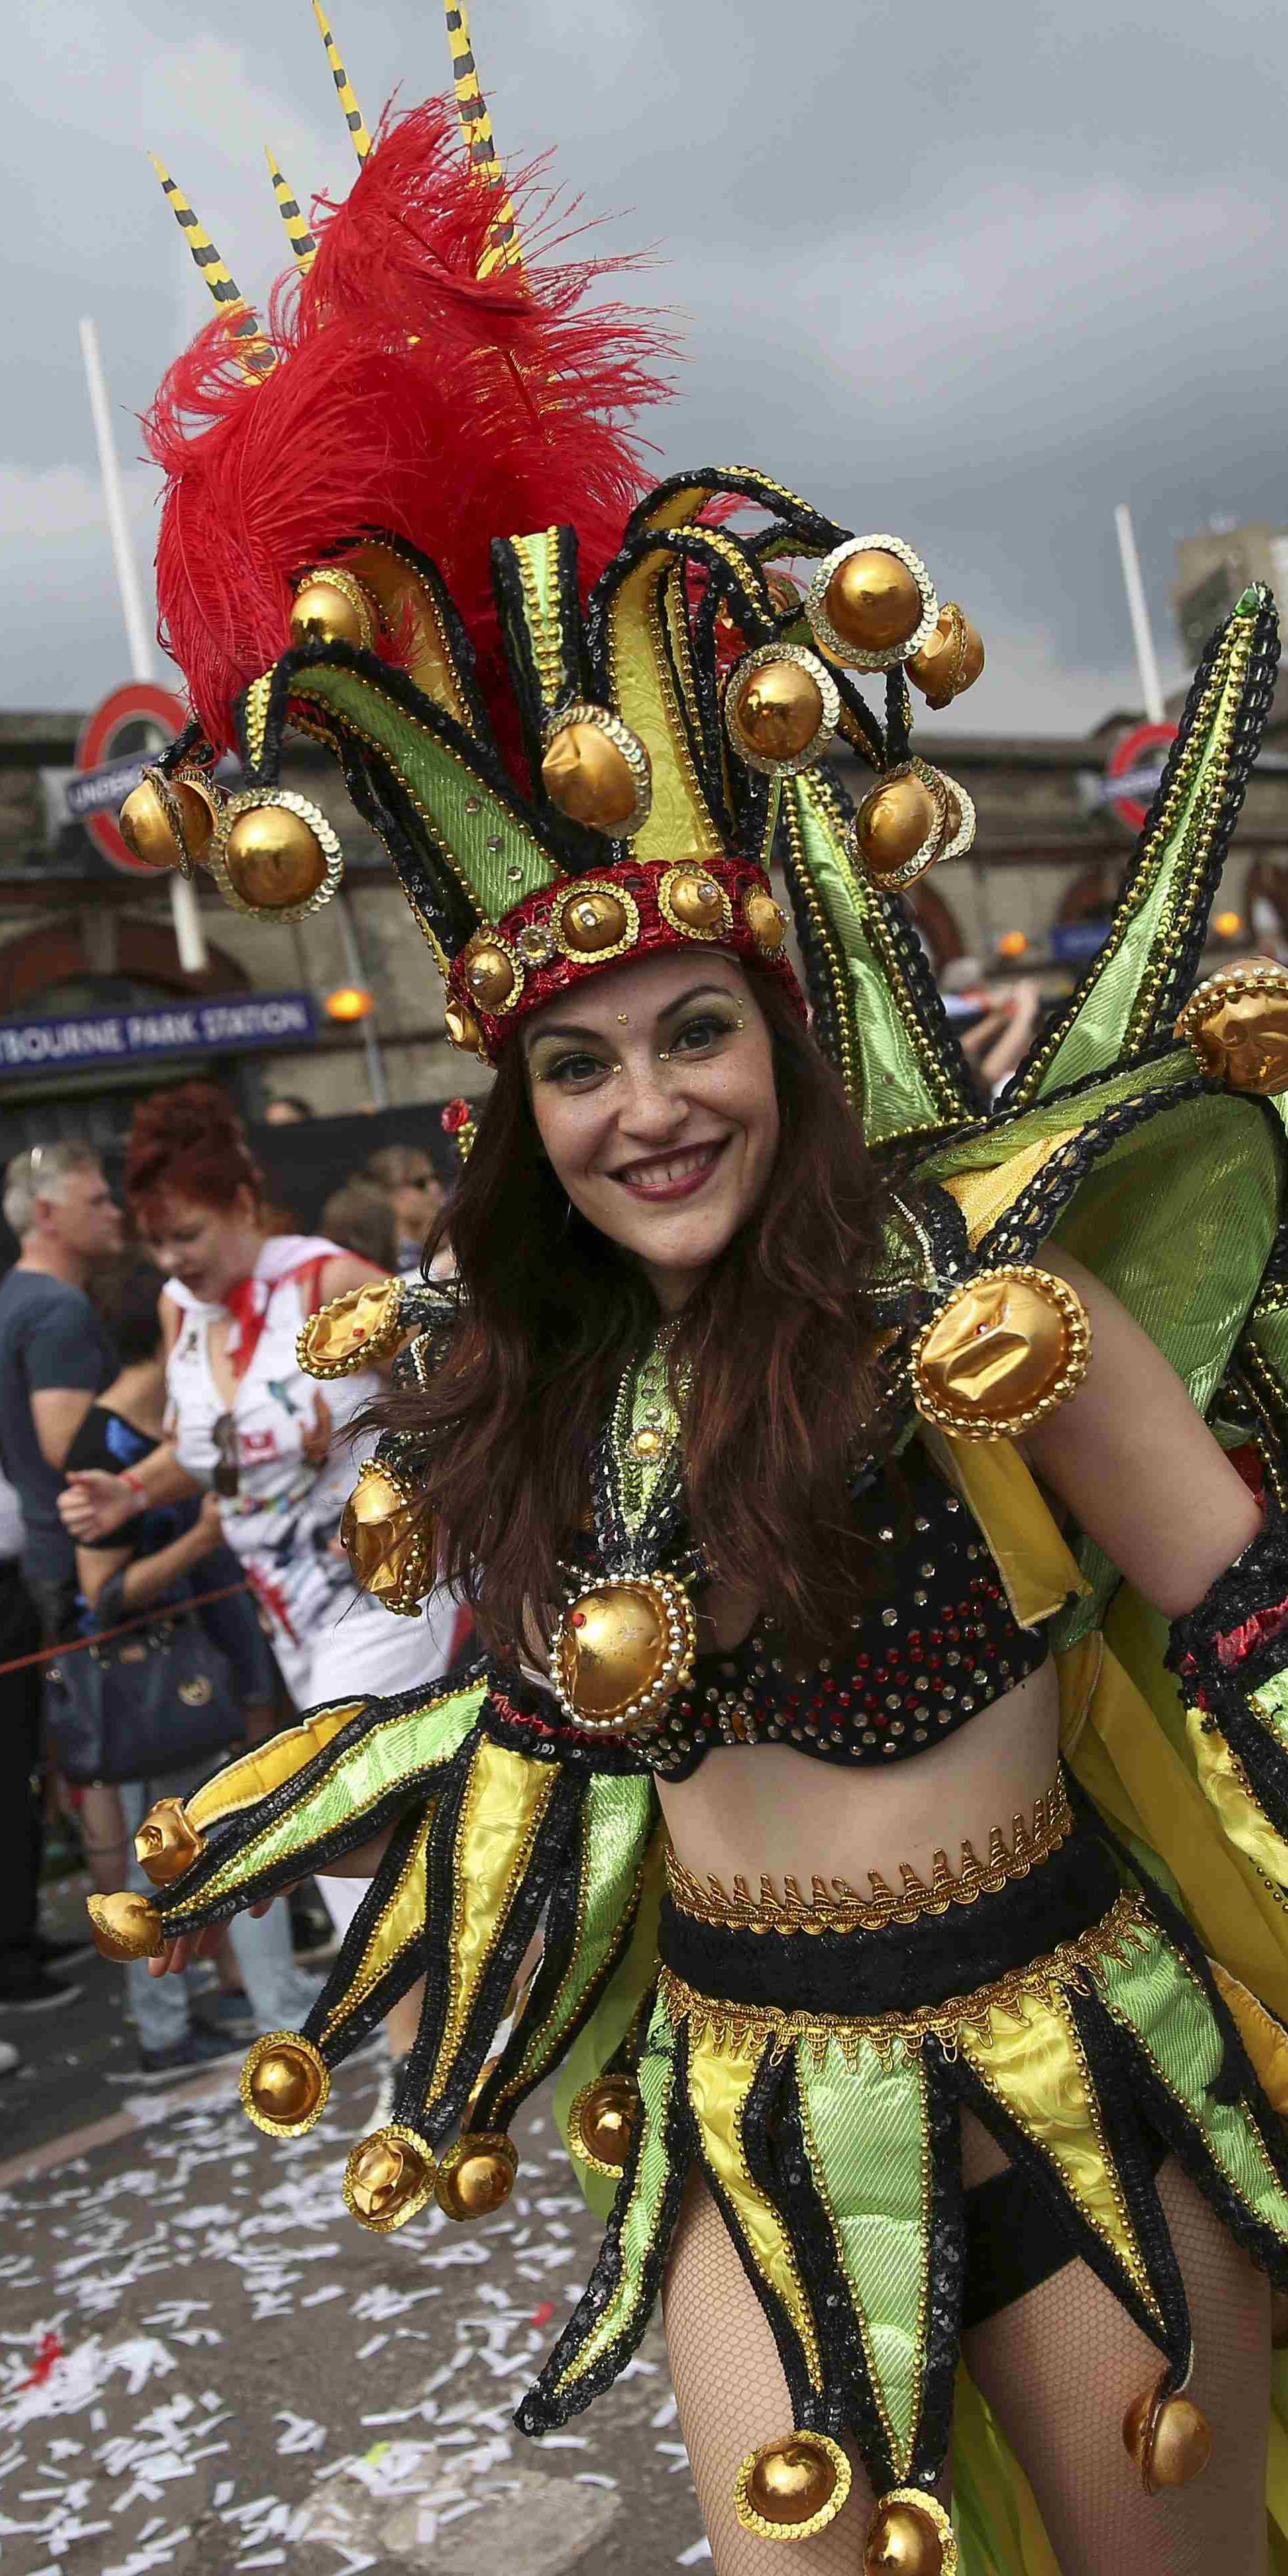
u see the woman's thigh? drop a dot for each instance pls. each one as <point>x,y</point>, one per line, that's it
<point>1059,2368</point>
<point>732,2395</point>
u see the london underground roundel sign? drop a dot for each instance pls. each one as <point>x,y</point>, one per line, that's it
<point>1133,770</point>
<point>113,746</point>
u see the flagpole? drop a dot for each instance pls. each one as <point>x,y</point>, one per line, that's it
<point>1151,687</point>
<point>190,937</point>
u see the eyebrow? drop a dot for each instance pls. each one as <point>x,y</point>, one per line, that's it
<point>573,1029</point>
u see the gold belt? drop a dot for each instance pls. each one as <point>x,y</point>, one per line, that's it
<point>834,1906</point>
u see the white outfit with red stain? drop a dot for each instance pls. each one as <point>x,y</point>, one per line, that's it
<point>328,1636</point>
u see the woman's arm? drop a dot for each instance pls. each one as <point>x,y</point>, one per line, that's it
<point>147,1577</point>
<point>1137,1465</point>
<point>93,1502</point>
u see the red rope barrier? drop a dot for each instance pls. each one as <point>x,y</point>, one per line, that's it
<point>146,1619</point>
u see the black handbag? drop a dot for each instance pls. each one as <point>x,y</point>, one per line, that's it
<point>134,1707</point>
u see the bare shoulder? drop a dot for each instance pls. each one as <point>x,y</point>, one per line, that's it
<point>344,1270</point>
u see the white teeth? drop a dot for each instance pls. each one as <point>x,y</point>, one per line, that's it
<point>664,1175</point>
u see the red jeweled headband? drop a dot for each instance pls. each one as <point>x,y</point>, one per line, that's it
<point>555,939</point>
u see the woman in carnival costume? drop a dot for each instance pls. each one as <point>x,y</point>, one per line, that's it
<point>883,1717</point>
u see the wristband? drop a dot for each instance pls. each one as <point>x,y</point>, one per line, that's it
<point>136,1486</point>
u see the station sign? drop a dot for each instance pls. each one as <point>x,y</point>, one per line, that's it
<point>110,763</point>
<point>91,1039</point>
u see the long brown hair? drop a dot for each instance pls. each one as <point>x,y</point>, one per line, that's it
<point>776,1348</point>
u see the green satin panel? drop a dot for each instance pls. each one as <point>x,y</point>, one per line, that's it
<point>1033,2063</point>
<point>255,1775</point>
<point>718,2088</point>
<point>614,2017</point>
<point>907,1085</point>
<point>500,1817</point>
<point>401,1921</point>
<point>439,781</point>
<point>867,2138</point>
<point>1117,1009</point>
<point>617,1820</point>
<point>395,1750</point>
<point>1270,1701</point>
<point>1156,1996</point>
<point>639,2228</point>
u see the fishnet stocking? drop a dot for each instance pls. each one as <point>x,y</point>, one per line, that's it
<point>1059,2368</point>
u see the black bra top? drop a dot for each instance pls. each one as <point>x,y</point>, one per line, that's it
<point>936,1643</point>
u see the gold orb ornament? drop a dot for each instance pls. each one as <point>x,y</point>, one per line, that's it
<point>494,977</point>
<point>284,2084</point>
<point>388,1541</point>
<point>782,707</point>
<point>166,1844</point>
<point>1004,1351</point>
<point>602,2123</point>
<point>388,2179</point>
<point>910,2535</point>
<point>127,1926</point>
<point>621,1650</point>
<point>913,817</point>
<point>872,603</point>
<point>462,1028</point>
<point>353,1331</point>
<point>333,607</point>
<point>275,856</point>
<point>1237,1024</point>
<point>1167,2437</point>
<point>695,903</point>
<point>766,920</point>
<point>597,921</point>
<point>597,772</point>
<point>169,822</point>
<point>792,2487</point>
<point>950,660</point>
<point>476,2175</point>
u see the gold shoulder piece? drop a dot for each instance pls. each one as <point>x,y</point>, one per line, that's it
<point>352,1331</point>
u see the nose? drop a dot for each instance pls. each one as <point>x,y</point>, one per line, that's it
<point>649,1111</point>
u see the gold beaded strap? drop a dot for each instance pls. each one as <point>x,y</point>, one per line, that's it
<point>834,1906</point>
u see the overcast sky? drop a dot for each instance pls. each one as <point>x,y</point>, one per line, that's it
<point>969,275</point>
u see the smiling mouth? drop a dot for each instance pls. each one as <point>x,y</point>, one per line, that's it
<point>671,1176</point>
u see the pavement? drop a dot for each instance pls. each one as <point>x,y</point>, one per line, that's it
<point>207,2367</point>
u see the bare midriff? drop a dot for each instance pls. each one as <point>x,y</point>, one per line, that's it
<point>766,1808</point>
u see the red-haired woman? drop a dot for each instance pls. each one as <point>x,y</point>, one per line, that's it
<point>242,1418</point>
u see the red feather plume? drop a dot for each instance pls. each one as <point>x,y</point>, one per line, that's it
<point>409,394</point>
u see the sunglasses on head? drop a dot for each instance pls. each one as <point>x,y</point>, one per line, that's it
<point>227,1476</point>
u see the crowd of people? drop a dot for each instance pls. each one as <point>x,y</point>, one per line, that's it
<point>172,1584</point>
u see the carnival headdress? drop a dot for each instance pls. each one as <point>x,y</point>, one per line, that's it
<point>576,744</point>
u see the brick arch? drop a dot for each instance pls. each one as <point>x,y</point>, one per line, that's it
<point>58,953</point>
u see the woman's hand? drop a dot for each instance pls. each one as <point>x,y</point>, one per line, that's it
<point>93,1504</point>
<point>208,1527</point>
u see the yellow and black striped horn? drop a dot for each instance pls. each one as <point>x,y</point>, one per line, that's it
<point>352,111</point>
<point>303,246</point>
<point>254,352</point>
<point>476,125</point>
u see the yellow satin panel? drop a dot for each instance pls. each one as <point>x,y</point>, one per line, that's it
<point>679,825</point>
<point>1224,1784</point>
<point>1144,1784</point>
<point>255,1774</point>
<point>718,2089</point>
<point>403,1918</point>
<point>504,1802</point>
<point>985,1195</point>
<point>1262,2036</point>
<point>1036,2068</point>
<point>1038,1571</point>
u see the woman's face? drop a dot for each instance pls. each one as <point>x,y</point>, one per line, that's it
<point>416,1202</point>
<point>207,1249</point>
<point>653,1093</point>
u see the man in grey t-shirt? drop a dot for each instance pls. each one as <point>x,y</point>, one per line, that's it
<point>54,1360</point>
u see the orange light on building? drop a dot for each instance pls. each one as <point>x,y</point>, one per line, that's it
<point>1012,944</point>
<point>1228,925</point>
<point>349,1002</point>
